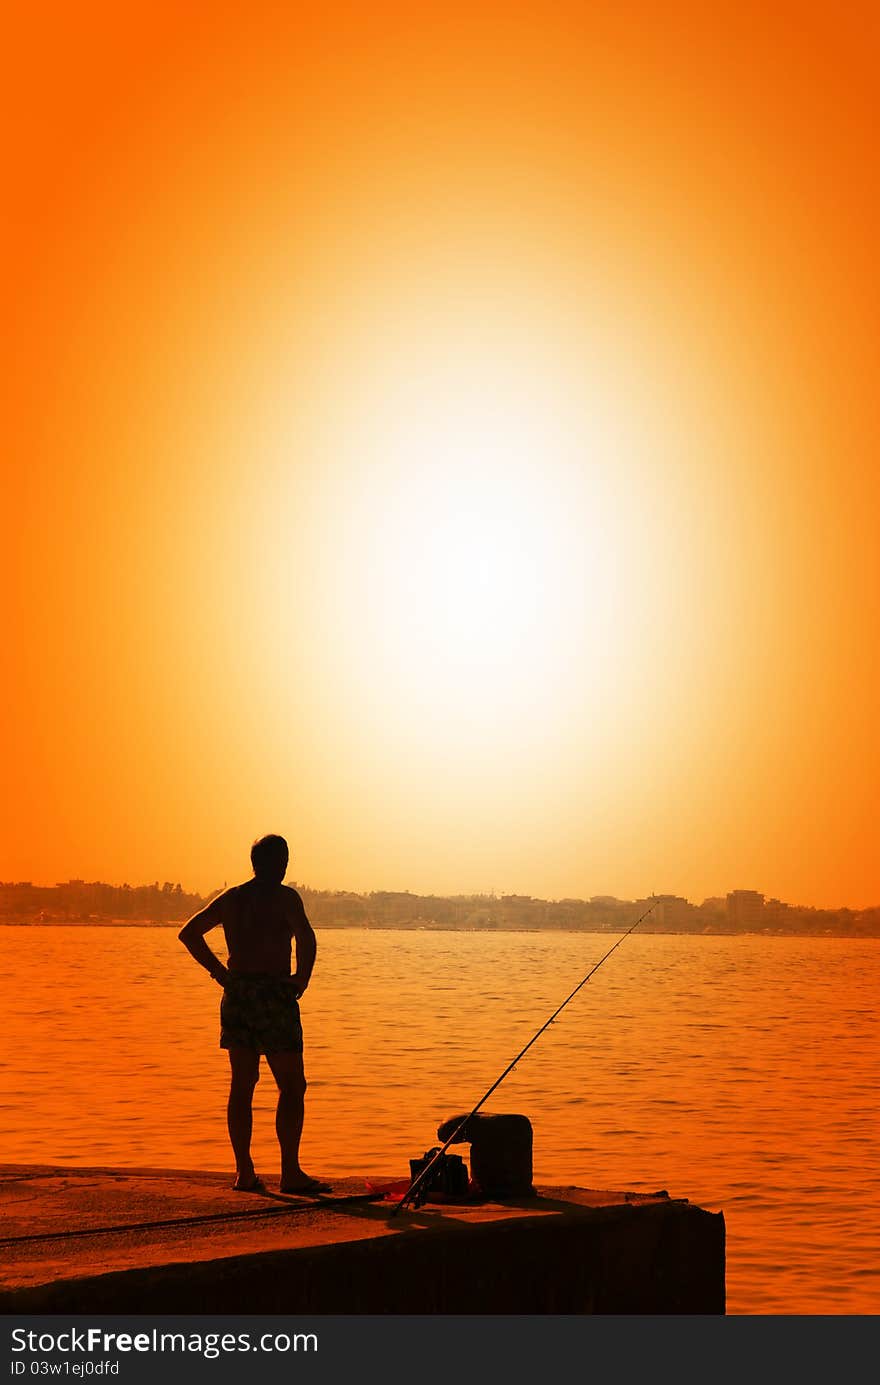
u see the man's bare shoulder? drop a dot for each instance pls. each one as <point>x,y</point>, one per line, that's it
<point>228,897</point>
<point>294,907</point>
<point>220,908</point>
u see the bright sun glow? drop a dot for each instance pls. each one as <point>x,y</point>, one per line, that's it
<point>493,546</point>
<point>474,564</point>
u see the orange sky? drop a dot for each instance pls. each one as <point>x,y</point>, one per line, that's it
<point>448,440</point>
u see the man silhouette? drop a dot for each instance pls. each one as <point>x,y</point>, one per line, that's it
<point>259,1012</point>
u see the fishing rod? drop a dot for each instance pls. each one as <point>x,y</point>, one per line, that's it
<point>423,1174</point>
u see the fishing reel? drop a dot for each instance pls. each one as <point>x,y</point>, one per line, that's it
<point>448,1177</point>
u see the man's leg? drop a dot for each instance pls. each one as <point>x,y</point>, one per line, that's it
<point>287,1069</point>
<point>245,1074</point>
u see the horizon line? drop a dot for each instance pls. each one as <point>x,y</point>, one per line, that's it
<point>434,894</point>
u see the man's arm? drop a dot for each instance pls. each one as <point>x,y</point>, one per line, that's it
<point>306,947</point>
<point>192,935</point>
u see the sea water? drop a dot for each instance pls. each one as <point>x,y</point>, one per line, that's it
<point>737,1072</point>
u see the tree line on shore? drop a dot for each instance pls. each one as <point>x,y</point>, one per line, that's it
<point>79,901</point>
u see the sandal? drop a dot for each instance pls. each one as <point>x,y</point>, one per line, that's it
<point>257,1186</point>
<point>311,1185</point>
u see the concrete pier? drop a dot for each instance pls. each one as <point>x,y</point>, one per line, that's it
<point>160,1241</point>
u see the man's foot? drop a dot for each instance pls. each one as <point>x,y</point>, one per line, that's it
<point>302,1183</point>
<point>248,1183</point>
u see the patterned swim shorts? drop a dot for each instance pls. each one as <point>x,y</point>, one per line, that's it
<point>260,1012</point>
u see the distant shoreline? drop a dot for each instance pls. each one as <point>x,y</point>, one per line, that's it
<point>710,931</point>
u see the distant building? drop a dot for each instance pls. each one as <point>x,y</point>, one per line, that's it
<point>745,909</point>
<point>715,905</point>
<point>673,912</point>
<point>776,913</point>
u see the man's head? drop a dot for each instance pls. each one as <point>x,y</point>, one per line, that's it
<point>269,858</point>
